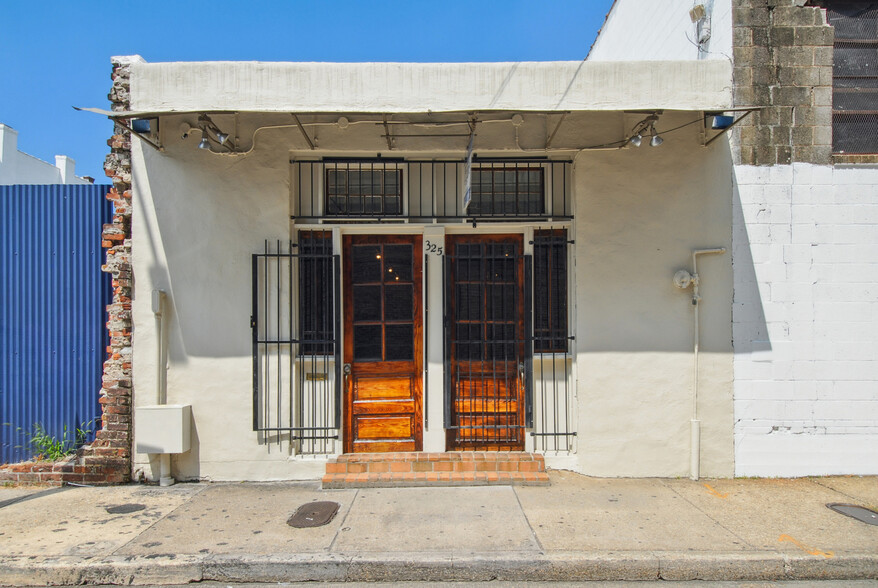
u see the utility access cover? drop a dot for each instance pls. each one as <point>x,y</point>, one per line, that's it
<point>861,513</point>
<point>313,514</point>
<point>125,508</point>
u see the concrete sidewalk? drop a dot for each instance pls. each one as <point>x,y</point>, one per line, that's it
<point>579,528</point>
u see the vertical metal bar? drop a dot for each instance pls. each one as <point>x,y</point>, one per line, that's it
<point>278,326</point>
<point>410,179</point>
<point>528,342</point>
<point>254,334</point>
<point>515,172</point>
<point>266,383</point>
<point>457,186</point>
<point>490,341</point>
<point>447,297</point>
<point>336,266</point>
<point>298,168</point>
<point>291,334</point>
<point>564,167</point>
<point>314,189</point>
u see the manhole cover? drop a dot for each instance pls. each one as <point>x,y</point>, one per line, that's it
<point>125,508</point>
<point>313,514</point>
<point>862,514</point>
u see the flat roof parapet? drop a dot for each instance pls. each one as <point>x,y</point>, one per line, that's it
<point>424,87</point>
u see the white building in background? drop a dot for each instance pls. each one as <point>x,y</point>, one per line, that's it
<point>17,167</point>
<point>805,217</point>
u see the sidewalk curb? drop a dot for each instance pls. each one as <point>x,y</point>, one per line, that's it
<point>410,567</point>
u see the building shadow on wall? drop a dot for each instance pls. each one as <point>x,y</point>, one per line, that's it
<point>749,328</point>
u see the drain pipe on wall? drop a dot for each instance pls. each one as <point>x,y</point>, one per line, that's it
<point>683,279</point>
<point>158,306</point>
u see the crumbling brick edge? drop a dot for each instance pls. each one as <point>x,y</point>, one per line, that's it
<point>107,460</point>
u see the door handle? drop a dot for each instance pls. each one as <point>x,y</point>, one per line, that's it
<point>347,372</point>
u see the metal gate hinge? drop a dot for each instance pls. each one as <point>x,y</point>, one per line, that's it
<point>252,323</point>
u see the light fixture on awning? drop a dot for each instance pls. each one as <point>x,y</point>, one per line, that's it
<point>212,133</point>
<point>645,127</point>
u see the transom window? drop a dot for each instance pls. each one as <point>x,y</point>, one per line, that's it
<point>507,190</point>
<point>363,191</point>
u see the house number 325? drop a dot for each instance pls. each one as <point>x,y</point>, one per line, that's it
<point>431,247</point>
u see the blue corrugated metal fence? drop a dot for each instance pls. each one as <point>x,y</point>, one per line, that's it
<point>53,299</point>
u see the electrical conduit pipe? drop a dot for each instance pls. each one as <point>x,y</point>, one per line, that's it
<point>695,424</point>
<point>158,305</point>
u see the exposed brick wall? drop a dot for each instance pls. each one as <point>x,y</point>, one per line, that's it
<point>783,61</point>
<point>107,460</point>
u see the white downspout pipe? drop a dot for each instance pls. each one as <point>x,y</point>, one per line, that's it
<point>158,306</point>
<point>695,424</point>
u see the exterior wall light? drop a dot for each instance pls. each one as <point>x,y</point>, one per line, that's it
<point>656,140</point>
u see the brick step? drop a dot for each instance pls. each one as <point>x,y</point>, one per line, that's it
<point>463,468</point>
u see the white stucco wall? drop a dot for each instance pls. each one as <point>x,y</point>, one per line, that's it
<point>17,167</point>
<point>647,30</point>
<point>197,218</point>
<point>639,214</point>
<point>805,313</point>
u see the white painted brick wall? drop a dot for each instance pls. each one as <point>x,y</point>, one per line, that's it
<point>805,320</point>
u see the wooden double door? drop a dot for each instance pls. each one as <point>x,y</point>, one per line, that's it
<point>485,338</point>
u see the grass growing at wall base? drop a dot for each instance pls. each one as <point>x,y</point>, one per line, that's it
<point>48,447</point>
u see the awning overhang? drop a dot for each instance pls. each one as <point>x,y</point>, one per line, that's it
<point>181,87</point>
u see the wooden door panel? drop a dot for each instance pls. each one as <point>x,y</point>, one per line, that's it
<point>383,322</point>
<point>383,387</point>
<point>383,427</point>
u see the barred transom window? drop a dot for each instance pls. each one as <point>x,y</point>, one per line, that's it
<point>505,190</point>
<point>363,191</point>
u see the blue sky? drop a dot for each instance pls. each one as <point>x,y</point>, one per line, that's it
<point>56,54</point>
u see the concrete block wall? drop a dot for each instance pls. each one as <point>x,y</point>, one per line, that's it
<point>783,63</point>
<point>805,319</point>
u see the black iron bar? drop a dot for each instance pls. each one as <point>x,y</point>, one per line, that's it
<point>254,334</point>
<point>267,378</point>
<point>528,338</point>
<point>447,297</point>
<point>293,370</point>
<point>336,262</point>
<point>278,319</point>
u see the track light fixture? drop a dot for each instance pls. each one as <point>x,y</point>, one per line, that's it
<point>645,127</point>
<point>207,127</point>
<point>656,140</point>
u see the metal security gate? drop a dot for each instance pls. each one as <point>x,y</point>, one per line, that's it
<point>295,336</point>
<point>489,343</point>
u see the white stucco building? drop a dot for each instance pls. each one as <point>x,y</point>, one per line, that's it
<point>572,258</point>
<point>542,316</point>
<point>17,167</point>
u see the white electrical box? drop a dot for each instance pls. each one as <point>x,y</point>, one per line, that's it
<point>163,428</point>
